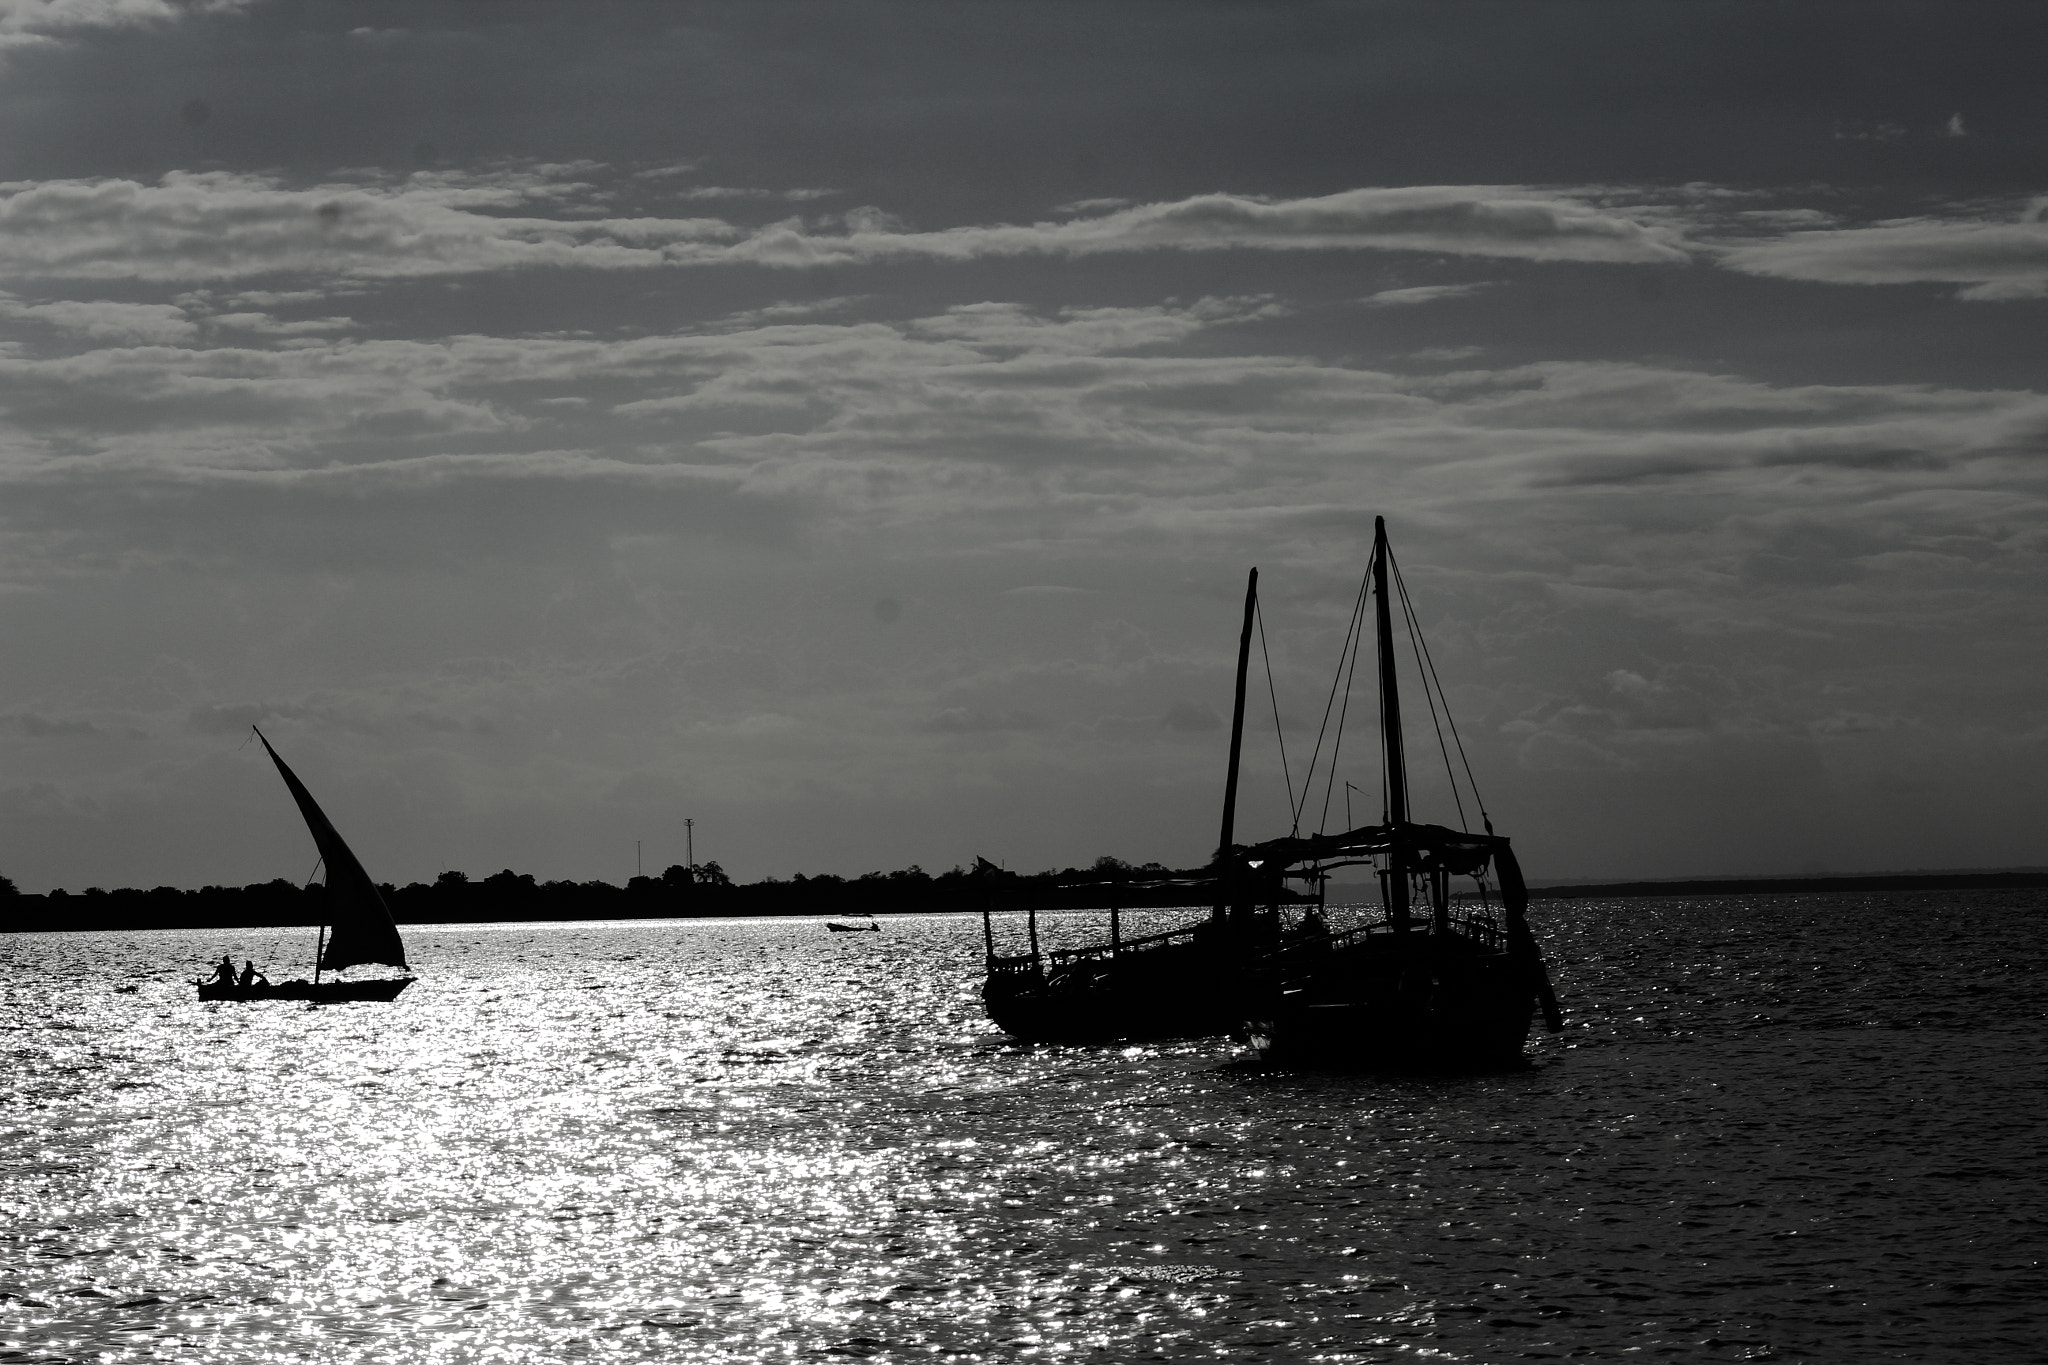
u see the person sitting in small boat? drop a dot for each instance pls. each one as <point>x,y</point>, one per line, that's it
<point>251,977</point>
<point>224,975</point>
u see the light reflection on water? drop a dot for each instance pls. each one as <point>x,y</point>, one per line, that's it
<point>1775,1129</point>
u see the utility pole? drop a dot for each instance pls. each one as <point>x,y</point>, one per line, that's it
<point>690,842</point>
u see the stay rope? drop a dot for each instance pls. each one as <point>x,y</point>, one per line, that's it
<point>1259,615</point>
<point>1337,744</point>
<point>1349,654</point>
<point>1338,705</point>
<point>1432,692</point>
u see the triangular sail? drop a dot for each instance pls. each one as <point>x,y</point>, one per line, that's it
<point>362,929</point>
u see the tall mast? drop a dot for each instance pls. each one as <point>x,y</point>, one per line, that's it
<point>1244,657</point>
<point>1396,881</point>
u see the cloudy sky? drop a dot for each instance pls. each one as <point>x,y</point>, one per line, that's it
<point>848,426</point>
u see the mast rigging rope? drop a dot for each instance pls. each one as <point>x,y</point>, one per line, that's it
<point>1350,652</point>
<point>1259,615</point>
<point>1426,664</point>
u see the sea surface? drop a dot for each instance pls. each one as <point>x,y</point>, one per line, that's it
<point>1792,1128</point>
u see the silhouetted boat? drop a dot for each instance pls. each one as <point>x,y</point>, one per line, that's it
<point>1183,983</point>
<point>1433,983</point>
<point>854,924</point>
<point>359,928</point>
<point>1454,987</point>
<point>378,988</point>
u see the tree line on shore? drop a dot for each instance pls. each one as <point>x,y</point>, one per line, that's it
<point>706,892</point>
<point>680,892</point>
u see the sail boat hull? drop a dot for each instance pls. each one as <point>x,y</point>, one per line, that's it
<point>1174,990</point>
<point>1180,984</point>
<point>1416,1003</point>
<point>384,988</point>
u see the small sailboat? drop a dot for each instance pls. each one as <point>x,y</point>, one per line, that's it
<point>359,928</point>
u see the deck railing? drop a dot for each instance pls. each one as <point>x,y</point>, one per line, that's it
<point>1019,963</point>
<point>1478,926</point>
<point>1482,928</point>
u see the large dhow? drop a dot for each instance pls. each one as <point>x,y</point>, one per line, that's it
<point>1433,978</point>
<point>358,930</point>
<point>1437,980</point>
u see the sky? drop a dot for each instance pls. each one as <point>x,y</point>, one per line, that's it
<point>848,426</point>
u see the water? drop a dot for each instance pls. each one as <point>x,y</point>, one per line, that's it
<point>1777,1128</point>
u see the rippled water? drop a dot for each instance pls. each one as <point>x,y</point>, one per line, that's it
<point>1801,1128</point>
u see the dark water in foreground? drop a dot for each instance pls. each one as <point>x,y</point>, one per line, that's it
<point>1796,1128</point>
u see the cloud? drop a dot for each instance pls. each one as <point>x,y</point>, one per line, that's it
<point>237,718</point>
<point>1841,723</point>
<point>1040,445</point>
<point>1426,293</point>
<point>221,226</point>
<point>195,227</point>
<point>1636,721</point>
<point>201,226</point>
<point>266,324</point>
<point>291,396</point>
<point>1865,130</point>
<point>758,725</point>
<point>1992,260</point>
<point>807,308</point>
<point>970,720</point>
<point>1108,423</point>
<point>1487,221</point>
<point>796,196</point>
<point>668,172</point>
<point>56,16</point>
<point>33,726</point>
<point>104,320</point>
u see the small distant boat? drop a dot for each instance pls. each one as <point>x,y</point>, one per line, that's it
<point>855,924</point>
<point>359,931</point>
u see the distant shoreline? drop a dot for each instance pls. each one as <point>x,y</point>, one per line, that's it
<point>1779,886</point>
<point>294,910</point>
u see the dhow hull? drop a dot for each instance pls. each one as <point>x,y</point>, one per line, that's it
<point>1404,1012</point>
